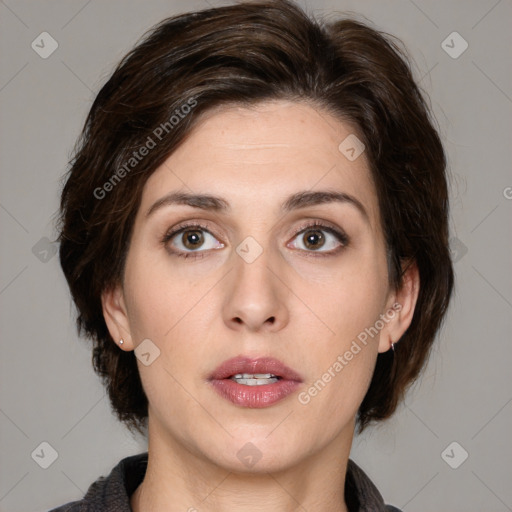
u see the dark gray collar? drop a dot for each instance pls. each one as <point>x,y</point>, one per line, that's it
<point>112,493</point>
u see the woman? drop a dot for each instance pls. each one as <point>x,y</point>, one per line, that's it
<point>254,231</point>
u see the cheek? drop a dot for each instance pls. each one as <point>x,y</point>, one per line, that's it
<point>348,295</point>
<point>163,306</point>
<point>178,311</point>
<point>348,300</point>
<point>341,370</point>
<point>158,296</point>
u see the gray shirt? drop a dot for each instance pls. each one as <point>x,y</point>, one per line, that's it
<point>112,493</point>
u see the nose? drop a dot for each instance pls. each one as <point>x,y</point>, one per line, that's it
<point>256,296</point>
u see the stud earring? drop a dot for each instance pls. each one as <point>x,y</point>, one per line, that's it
<point>121,341</point>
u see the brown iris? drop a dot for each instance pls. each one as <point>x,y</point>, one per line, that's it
<point>313,239</point>
<point>192,238</point>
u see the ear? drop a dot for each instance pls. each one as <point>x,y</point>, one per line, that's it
<point>400,307</point>
<point>116,317</point>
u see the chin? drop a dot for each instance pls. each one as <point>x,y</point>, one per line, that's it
<point>258,454</point>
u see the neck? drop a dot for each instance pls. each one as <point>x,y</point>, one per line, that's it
<point>178,480</point>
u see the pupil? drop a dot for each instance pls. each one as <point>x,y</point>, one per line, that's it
<point>314,239</point>
<point>192,239</point>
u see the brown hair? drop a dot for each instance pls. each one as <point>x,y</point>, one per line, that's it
<point>246,53</point>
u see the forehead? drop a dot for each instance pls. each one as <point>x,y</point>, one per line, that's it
<point>261,154</point>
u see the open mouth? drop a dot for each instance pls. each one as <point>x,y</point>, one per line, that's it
<point>254,383</point>
<point>255,379</point>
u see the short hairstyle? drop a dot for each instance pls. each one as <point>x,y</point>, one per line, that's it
<point>244,54</point>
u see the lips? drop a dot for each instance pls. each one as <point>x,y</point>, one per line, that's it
<point>257,396</point>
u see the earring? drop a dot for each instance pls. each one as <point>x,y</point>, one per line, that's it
<point>121,341</point>
<point>392,346</point>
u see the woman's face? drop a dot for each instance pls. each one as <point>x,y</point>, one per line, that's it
<point>284,259</point>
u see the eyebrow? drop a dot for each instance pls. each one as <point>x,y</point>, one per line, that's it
<point>294,202</point>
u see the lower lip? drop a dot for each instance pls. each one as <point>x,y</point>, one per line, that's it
<point>255,397</point>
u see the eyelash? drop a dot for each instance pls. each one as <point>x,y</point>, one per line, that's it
<point>339,234</point>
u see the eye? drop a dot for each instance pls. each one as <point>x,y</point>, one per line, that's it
<point>317,237</point>
<point>191,238</point>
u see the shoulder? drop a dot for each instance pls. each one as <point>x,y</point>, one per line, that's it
<point>112,492</point>
<point>75,506</point>
<point>361,494</point>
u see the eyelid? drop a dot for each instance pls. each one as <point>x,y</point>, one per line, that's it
<point>170,233</point>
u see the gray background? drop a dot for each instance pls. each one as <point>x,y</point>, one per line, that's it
<point>48,389</point>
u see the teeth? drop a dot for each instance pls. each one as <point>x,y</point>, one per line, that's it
<point>254,375</point>
<point>254,379</point>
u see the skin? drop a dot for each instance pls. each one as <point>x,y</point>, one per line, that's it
<point>301,305</point>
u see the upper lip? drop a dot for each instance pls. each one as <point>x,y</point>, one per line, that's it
<point>243,364</point>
